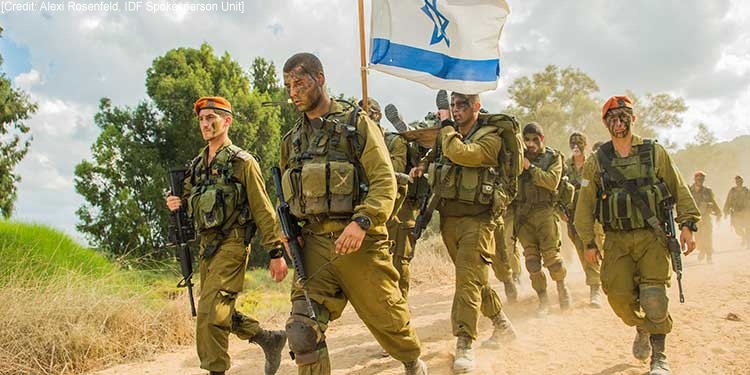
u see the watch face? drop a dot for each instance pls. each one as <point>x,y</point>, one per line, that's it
<point>363,222</point>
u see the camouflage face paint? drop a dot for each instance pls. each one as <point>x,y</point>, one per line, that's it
<point>618,122</point>
<point>300,86</point>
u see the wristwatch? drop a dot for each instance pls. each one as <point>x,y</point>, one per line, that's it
<point>363,222</point>
<point>276,253</point>
<point>690,225</point>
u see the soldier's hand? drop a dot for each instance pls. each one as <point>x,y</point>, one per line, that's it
<point>350,239</point>
<point>687,240</point>
<point>417,171</point>
<point>593,256</point>
<point>564,217</point>
<point>526,163</point>
<point>173,203</point>
<point>278,269</point>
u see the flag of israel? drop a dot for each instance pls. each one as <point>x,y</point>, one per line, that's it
<point>443,44</point>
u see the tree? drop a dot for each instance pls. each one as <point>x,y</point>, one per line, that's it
<point>705,135</point>
<point>560,100</point>
<point>15,108</point>
<point>124,213</point>
<point>657,111</point>
<point>266,81</point>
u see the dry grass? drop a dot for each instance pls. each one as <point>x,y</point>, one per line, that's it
<point>69,325</point>
<point>431,264</point>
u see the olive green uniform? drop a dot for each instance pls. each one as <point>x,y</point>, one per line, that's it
<point>536,218</point>
<point>226,199</point>
<point>636,266</point>
<point>706,202</point>
<point>591,270</point>
<point>737,206</point>
<point>461,181</point>
<point>325,161</point>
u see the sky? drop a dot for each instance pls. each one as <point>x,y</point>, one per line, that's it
<point>67,60</point>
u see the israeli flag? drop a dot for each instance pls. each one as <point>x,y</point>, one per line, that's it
<point>442,44</point>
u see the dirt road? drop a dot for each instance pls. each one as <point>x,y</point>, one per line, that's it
<point>580,341</point>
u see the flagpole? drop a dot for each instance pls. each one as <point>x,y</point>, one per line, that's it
<point>363,57</point>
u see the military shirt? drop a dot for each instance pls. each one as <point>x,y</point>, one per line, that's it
<point>664,168</point>
<point>397,147</point>
<point>738,199</point>
<point>705,200</point>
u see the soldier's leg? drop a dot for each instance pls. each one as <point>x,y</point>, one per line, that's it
<point>527,235</point>
<point>403,251</point>
<point>370,282</point>
<point>591,270</point>
<point>618,272</point>
<point>222,278</point>
<point>501,263</point>
<point>548,236</point>
<point>654,271</point>
<point>306,336</point>
<point>514,254</point>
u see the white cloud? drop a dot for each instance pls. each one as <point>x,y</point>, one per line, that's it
<point>26,81</point>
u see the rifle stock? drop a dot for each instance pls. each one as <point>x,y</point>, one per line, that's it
<point>292,232</point>
<point>182,232</point>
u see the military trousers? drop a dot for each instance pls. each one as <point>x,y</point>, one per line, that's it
<point>506,264</point>
<point>399,228</point>
<point>591,271</point>
<point>470,244</point>
<point>635,272</point>
<point>704,238</point>
<point>369,281</point>
<point>540,238</point>
<point>221,279</point>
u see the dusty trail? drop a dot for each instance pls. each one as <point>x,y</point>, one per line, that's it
<point>580,341</point>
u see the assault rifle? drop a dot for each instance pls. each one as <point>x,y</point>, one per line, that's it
<point>424,217</point>
<point>292,232</point>
<point>673,244</point>
<point>181,231</point>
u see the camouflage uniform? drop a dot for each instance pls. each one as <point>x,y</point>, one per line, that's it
<point>706,202</point>
<point>737,206</point>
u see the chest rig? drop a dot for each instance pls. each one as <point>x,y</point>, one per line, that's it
<point>615,208</point>
<point>417,190</point>
<point>323,178</point>
<point>470,186</point>
<point>529,194</point>
<point>218,201</point>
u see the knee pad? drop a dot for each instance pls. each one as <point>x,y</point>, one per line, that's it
<point>533,263</point>
<point>654,302</point>
<point>306,336</point>
<point>557,271</point>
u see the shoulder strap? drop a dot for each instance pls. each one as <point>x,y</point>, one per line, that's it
<point>605,163</point>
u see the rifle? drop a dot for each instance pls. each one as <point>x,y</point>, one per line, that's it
<point>424,217</point>
<point>292,232</point>
<point>181,231</point>
<point>673,244</point>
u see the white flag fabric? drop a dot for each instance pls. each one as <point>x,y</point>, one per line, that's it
<point>443,44</point>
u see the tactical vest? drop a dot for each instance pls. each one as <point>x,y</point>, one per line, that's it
<point>531,195</point>
<point>217,200</point>
<point>468,185</point>
<point>703,199</point>
<point>418,189</point>
<point>574,178</point>
<point>323,177</point>
<point>615,208</point>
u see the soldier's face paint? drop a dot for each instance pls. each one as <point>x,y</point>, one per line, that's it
<point>462,111</point>
<point>699,180</point>
<point>303,88</point>
<point>211,124</point>
<point>533,143</point>
<point>618,123</point>
<point>575,149</point>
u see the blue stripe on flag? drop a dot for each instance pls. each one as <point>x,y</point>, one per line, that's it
<point>437,64</point>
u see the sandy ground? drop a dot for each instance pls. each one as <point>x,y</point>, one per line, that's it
<point>580,341</point>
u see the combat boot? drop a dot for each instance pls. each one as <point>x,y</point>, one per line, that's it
<point>417,367</point>
<point>464,361</point>
<point>595,297</point>
<point>659,365</point>
<point>563,294</point>
<point>543,309</point>
<point>503,332</point>
<point>641,344</point>
<point>511,291</point>
<point>272,343</point>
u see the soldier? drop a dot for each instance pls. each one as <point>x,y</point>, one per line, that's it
<point>536,219</point>
<point>737,206</point>
<point>463,181</point>
<point>341,188</point>
<point>506,263</point>
<point>404,156</point>
<point>226,197</point>
<point>706,201</point>
<point>626,179</point>
<point>574,169</point>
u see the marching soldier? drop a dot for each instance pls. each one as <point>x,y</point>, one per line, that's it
<point>737,207</point>
<point>706,202</point>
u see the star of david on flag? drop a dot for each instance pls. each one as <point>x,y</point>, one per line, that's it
<point>443,44</point>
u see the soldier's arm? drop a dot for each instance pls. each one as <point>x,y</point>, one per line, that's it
<point>482,153</point>
<point>667,171</point>
<point>261,209</point>
<point>717,210</point>
<point>587,196</point>
<point>398,155</point>
<point>550,178</point>
<point>728,203</point>
<point>377,167</point>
